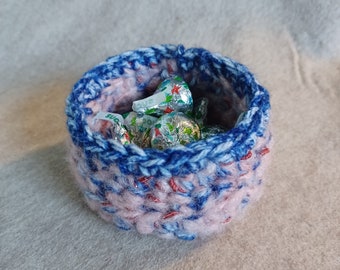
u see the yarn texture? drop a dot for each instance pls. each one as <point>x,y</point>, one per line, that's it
<point>185,191</point>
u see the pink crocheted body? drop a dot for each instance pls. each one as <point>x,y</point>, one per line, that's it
<point>219,210</point>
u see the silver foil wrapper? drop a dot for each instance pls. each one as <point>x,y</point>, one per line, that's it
<point>172,94</point>
<point>112,127</point>
<point>200,110</point>
<point>208,131</point>
<point>139,127</point>
<point>174,129</point>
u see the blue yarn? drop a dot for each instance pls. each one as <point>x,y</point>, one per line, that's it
<point>93,196</point>
<point>221,187</point>
<point>184,235</point>
<point>199,200</point>
<point>109,209</point>
<point>170,226</point>
<point>121,224</point>
<point>193,217</point>
<point>244,202</point>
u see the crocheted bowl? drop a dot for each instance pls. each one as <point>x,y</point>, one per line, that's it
<point>186,191</point>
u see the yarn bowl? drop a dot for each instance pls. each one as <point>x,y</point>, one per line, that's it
<point>188,191</point>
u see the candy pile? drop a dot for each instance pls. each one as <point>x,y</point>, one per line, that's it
<point>165,119</point>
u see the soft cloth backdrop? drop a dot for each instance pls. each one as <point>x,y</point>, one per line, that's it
<point>292,47</point>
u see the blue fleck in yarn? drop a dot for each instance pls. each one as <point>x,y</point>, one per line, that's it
<point>171,193</point>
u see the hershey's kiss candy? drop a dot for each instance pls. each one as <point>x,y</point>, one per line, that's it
<point>139,127</point>
<point>173,129</point>
<point>172,94</point>
<point>114,128</point>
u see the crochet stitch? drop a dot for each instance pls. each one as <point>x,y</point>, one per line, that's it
<point>185,191</point>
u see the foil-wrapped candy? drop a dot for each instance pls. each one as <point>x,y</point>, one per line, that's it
<point>200,110</point>
<point>139,127</point>
<point>165,119</point>
<point>208,131</point>
<point>172,94</point>
<point>113,128</point>
<point>173,129</point>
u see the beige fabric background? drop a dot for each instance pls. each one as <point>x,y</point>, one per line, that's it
<point>293,47</point>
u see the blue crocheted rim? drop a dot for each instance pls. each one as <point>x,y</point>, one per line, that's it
<point>182,160</point>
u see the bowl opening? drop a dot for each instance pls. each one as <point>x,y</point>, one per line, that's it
<point>138,81</point>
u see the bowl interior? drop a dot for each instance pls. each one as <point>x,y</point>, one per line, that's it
<point>140,81</point>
